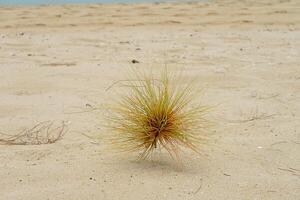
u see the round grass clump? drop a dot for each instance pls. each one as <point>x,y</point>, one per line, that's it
<point>158,113</point>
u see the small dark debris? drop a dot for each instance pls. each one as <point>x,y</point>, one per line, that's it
<point>138,49</point>
<point>226,174</point>
<point>124,42</point>
<point>135,61</point>
<point>241,49</point>
<point>29,54</point>
<point>88,105</point>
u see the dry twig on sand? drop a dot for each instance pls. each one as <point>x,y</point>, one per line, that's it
<point>42,133</point>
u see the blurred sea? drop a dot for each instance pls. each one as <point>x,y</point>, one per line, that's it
<point>42,2</point>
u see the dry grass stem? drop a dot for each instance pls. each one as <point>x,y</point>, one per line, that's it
<point>42,133</point>
<point>253,116</point>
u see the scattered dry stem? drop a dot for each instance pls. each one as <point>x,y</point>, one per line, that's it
<point>42,133</point>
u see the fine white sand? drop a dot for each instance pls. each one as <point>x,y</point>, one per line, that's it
<point>56,61</point>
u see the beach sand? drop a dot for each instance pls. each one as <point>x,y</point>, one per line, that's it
<point>57,61</point>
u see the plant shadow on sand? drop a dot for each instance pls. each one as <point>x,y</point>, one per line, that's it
<point>162,162</point>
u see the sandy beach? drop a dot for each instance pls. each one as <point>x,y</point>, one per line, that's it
<point>57,61</point>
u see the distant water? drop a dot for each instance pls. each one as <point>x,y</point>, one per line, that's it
<point>41,2</point>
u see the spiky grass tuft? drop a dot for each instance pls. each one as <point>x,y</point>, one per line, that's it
<point>158,113</point>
